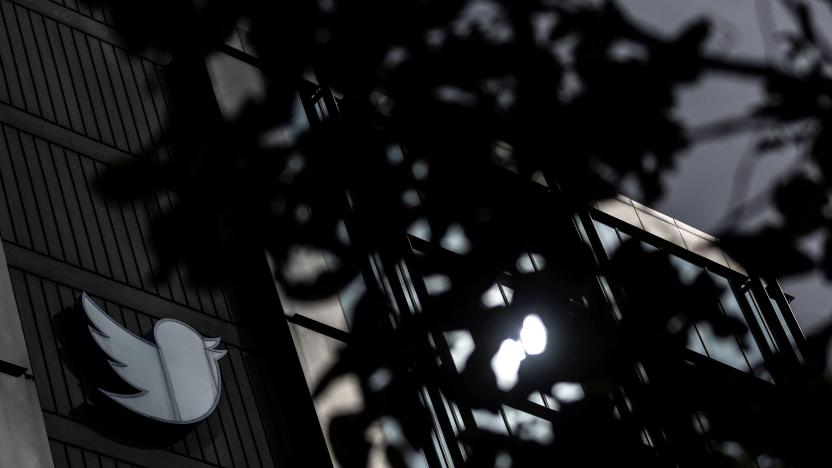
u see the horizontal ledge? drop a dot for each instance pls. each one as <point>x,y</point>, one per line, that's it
<point>11,369</point>
<point>319,327</point>
<point>120,293</point>
<point>64,137</point>
<point>75,433</point>
<point>90,26</point>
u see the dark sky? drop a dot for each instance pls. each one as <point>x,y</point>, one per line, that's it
<point>700,190</point>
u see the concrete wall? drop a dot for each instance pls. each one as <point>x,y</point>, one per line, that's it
<point>23,440</point>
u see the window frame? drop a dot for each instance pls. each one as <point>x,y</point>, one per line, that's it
<point>738,282</point>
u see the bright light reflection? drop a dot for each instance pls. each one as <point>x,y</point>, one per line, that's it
<point>437,284</point>
<point>492,297</point>
<point>455,240</point>
<point>462,345</point>
<point>506,362</point>
<point>533,335</point>
<point>568,392</point>
<point>420,228</point>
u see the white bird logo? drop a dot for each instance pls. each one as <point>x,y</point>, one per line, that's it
<point>178,376</point>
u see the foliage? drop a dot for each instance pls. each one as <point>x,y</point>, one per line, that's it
<point>463,103</point>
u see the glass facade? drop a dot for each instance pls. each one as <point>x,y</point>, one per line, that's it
<point>239,39</point>
<point>320,329</point>
<point>530,420</point>
<point>735,302</point>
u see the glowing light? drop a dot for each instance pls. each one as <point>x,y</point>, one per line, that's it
<point>533,335</point>
<point>492,297</point>
<point>568,392</point>
<point>420,228</point>
<point>529,263</point>
<point>462,345</point>
<point>380,379</point>
<point>455,240</point>
<point>437,284</point>
<point>506,363</point>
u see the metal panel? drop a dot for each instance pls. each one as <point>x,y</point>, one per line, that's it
<point>20,55</point>
<point>73,79</point>
<point>11,194</point>
<point>95,13</point>
<point>32,218</point>
<point>11,74</point>
<point>51,208</point>
<point>72,103</point>
<point>238,419</point>
<point>43,266</point>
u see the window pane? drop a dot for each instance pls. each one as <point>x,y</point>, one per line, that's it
<point>526,426</point>
<point>235,82</point>
<point>687,270</point>
<point>490,421</point>
<point>732,308</point>
<point>317,352</point>
<point>537,398</point>
<point>785,326</point>
<point>694,342</point>
<point>724,349</point>
<point>349,297</point>
<point>461,345</point>
<point>608,236</point>
<point>749,298</point>
<point>305,264</point>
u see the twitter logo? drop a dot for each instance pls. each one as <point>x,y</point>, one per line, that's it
<point>175,372</point>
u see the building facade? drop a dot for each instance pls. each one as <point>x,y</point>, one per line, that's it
<point>73,102</point>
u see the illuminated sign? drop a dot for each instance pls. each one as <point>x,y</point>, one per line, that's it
<point>175,371</point>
